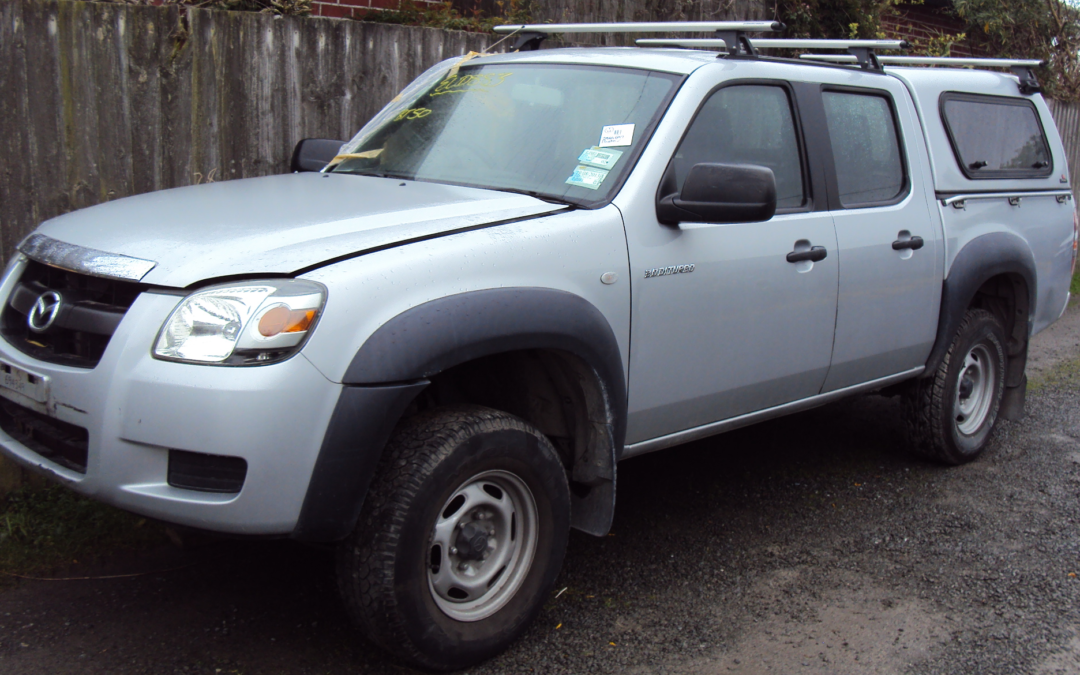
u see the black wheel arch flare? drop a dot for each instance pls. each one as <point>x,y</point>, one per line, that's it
<point>391,367</point>
<point>980,260</point>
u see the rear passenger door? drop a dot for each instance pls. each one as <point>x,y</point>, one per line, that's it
<point>889,243</point>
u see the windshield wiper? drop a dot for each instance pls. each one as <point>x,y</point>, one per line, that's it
<point>378,174</point>
<point>542,196</point>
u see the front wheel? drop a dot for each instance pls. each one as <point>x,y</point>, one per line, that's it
<point>949,416</point>
<point>460,538</point>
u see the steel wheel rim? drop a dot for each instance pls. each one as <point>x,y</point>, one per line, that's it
<point>978,380</point>
<point>482,545</point>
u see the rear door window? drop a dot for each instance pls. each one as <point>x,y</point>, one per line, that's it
<point>996,136</point>
<point>866,148</point>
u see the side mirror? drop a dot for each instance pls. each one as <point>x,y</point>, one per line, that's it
<point>312,154</point>
<point>721,193</point>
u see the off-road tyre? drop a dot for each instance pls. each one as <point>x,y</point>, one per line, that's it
<point>386,566</point>
<point>933,408</point>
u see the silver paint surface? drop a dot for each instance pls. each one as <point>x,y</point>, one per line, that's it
<point>1043,222</point>
<point>889,301</point>
<point>278,224</point>
<point>747,330</point>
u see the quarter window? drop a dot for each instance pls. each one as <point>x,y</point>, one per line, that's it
<point>866,148</point>
<point>747,124</point>
<point>996,137</point>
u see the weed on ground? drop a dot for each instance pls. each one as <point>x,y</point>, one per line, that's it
<point>44,528</point>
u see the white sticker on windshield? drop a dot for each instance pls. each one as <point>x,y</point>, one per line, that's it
<point>616,135</point>
<point>600,158</point>
<point>587,177</point>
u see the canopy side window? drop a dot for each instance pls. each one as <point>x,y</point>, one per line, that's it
<point>996,136</point>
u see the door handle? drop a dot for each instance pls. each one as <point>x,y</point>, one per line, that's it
<point>915,243</point>
<point>814,254</point>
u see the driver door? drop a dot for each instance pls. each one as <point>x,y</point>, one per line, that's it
<point>744,330</point>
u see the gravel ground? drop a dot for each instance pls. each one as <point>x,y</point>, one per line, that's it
<point>809,544</point>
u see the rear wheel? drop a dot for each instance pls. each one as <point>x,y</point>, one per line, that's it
<point>950,415</point>
<point>460,538</point>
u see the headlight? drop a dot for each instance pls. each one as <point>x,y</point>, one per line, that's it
<point>246,324</point>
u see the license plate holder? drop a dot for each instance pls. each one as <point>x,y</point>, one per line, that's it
<point>16,383</point>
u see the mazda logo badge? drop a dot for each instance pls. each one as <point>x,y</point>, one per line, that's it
<point>44,312</point>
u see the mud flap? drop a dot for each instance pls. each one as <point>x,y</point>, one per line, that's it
<point>1012,401</point>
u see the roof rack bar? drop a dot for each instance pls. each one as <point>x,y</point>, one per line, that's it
<point>1022,68</point>
<point>689,42</point>
<point>647,27</point>
<point>929,60</point>
<point>831,44</point>
<point>770,43</point>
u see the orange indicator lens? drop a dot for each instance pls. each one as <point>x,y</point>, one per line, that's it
<point>281,319</point>
<point>299,320</point>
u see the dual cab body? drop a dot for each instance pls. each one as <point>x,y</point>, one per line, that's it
<point>578,308</point>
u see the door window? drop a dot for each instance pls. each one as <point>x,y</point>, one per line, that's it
<point>866,148</point>
<point>747,124</point>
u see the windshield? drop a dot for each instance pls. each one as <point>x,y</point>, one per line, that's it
<point>567,133</point>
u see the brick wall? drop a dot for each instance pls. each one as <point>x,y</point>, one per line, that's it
<point>354,9</point>
<point>921,24</point>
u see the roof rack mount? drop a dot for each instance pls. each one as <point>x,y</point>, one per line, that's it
<point>529,36</point>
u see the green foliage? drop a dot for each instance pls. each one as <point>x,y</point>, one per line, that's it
<point>1033,29</point>
<point>850,19</point>
<point>443,15</point>
<point>43,528</point>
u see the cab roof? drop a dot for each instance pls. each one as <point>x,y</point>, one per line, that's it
<point>676,61</point>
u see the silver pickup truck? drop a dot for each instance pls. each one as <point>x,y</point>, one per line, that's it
<point>528,267</point>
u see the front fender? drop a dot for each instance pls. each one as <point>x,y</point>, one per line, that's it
<point>436,335</point>
<point>394,362</point>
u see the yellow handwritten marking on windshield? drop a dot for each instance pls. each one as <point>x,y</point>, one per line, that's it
<point>468,57</point>
<point>367,154</point>
<point>412,114</point>
<point>459,84</point>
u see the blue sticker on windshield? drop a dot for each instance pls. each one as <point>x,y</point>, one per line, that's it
<point>602,158</point>
<point>587,177</point>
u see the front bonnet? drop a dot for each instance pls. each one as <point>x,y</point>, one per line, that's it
<point>272,225</point>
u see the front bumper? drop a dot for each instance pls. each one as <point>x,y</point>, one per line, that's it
<point>136,408</point>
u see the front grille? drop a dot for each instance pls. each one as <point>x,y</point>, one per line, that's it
<point>206,473</point>
<point>60,442</point>
<point>90,310</point>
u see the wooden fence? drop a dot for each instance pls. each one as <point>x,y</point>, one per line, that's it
<point>1067,118</point>
<point>100,101</point>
